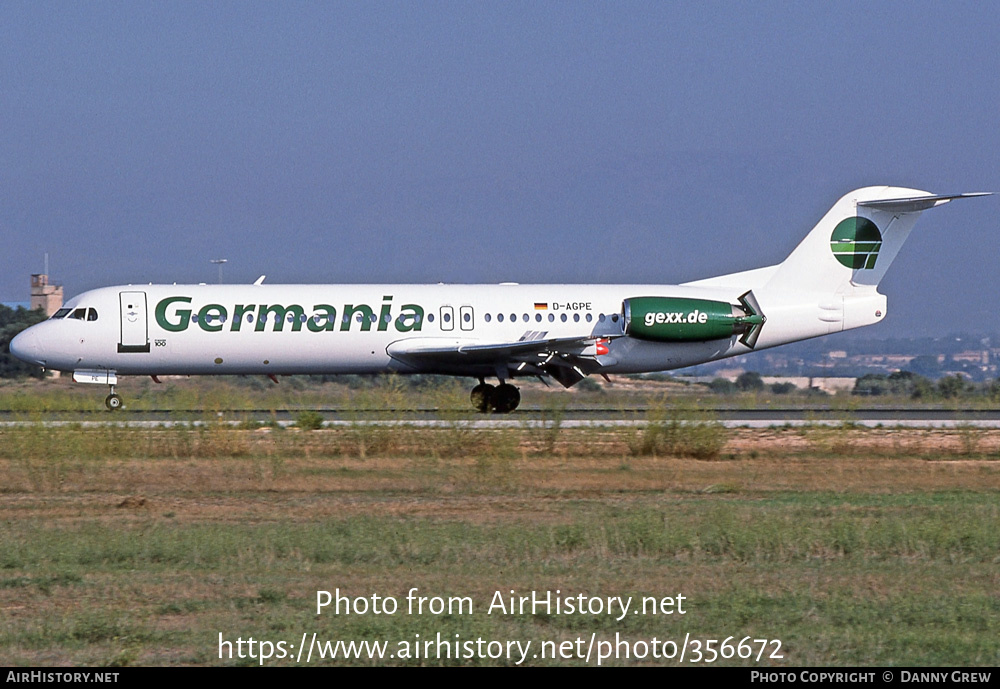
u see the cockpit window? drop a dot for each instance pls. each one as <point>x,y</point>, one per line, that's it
<point>61,313</point>
<point>81,314</point>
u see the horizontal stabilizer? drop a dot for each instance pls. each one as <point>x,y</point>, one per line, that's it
<point>916,204</point>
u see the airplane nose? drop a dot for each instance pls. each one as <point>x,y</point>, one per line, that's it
<point>26,348</point>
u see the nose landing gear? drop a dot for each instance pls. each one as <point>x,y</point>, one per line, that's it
<point>101,377</point>
<point>499,399</point>
<point>113,401</point>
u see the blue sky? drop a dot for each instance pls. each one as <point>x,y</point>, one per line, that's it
<point>482,142</point>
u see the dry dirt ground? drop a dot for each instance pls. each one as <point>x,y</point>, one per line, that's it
<point>296,475</point>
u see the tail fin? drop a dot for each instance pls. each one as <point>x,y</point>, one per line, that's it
<point>855,242</point>
<point>829,282</point>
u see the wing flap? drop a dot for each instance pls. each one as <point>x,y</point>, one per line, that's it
<point>567,359</point>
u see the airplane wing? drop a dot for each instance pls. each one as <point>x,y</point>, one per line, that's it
<point>567,359</point>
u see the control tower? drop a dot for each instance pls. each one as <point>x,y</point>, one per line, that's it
<point>45,296</point>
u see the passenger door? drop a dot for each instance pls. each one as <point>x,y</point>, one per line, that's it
<point>135,329</point>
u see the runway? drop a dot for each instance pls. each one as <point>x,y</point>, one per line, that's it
<point>522,418</point>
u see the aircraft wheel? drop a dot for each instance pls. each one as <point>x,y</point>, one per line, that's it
<point>113,402</point>
<point>481,395</point>
<point>505,399</point>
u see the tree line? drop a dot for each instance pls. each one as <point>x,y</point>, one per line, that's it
<point>898,384</point>
<point>13,321</point>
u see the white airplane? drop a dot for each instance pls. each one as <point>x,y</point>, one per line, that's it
<point>566,332</point>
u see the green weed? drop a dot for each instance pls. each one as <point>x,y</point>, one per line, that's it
<point>679,432</point>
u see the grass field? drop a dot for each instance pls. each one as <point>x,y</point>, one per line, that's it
<point>399,393</point>
<point>850,546</point>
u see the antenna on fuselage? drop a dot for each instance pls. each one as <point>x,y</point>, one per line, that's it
<point>219,262</point>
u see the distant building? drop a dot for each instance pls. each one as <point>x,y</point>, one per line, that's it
<point>833,384</point>
<point>972,356</point>
<point>887,362</point>
<point>45,296</point>
<point>828,384</point>
<point>730,374</point>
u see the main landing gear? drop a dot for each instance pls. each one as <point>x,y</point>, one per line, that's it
<point>498,399</point>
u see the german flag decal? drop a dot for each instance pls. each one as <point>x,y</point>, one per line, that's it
<point>541,306</point>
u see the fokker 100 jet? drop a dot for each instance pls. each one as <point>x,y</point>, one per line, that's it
<point>507,331</point>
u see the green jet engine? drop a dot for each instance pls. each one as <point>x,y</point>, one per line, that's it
<point>679,319</point>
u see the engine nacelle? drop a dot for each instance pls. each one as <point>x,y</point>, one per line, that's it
<point>679,319</point>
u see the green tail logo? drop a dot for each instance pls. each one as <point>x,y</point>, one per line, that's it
<point>855,243</point>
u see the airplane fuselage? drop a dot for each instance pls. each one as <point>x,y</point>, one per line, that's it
<point>330,329</point>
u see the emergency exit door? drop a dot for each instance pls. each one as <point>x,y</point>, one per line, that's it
<point>466,318</point>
